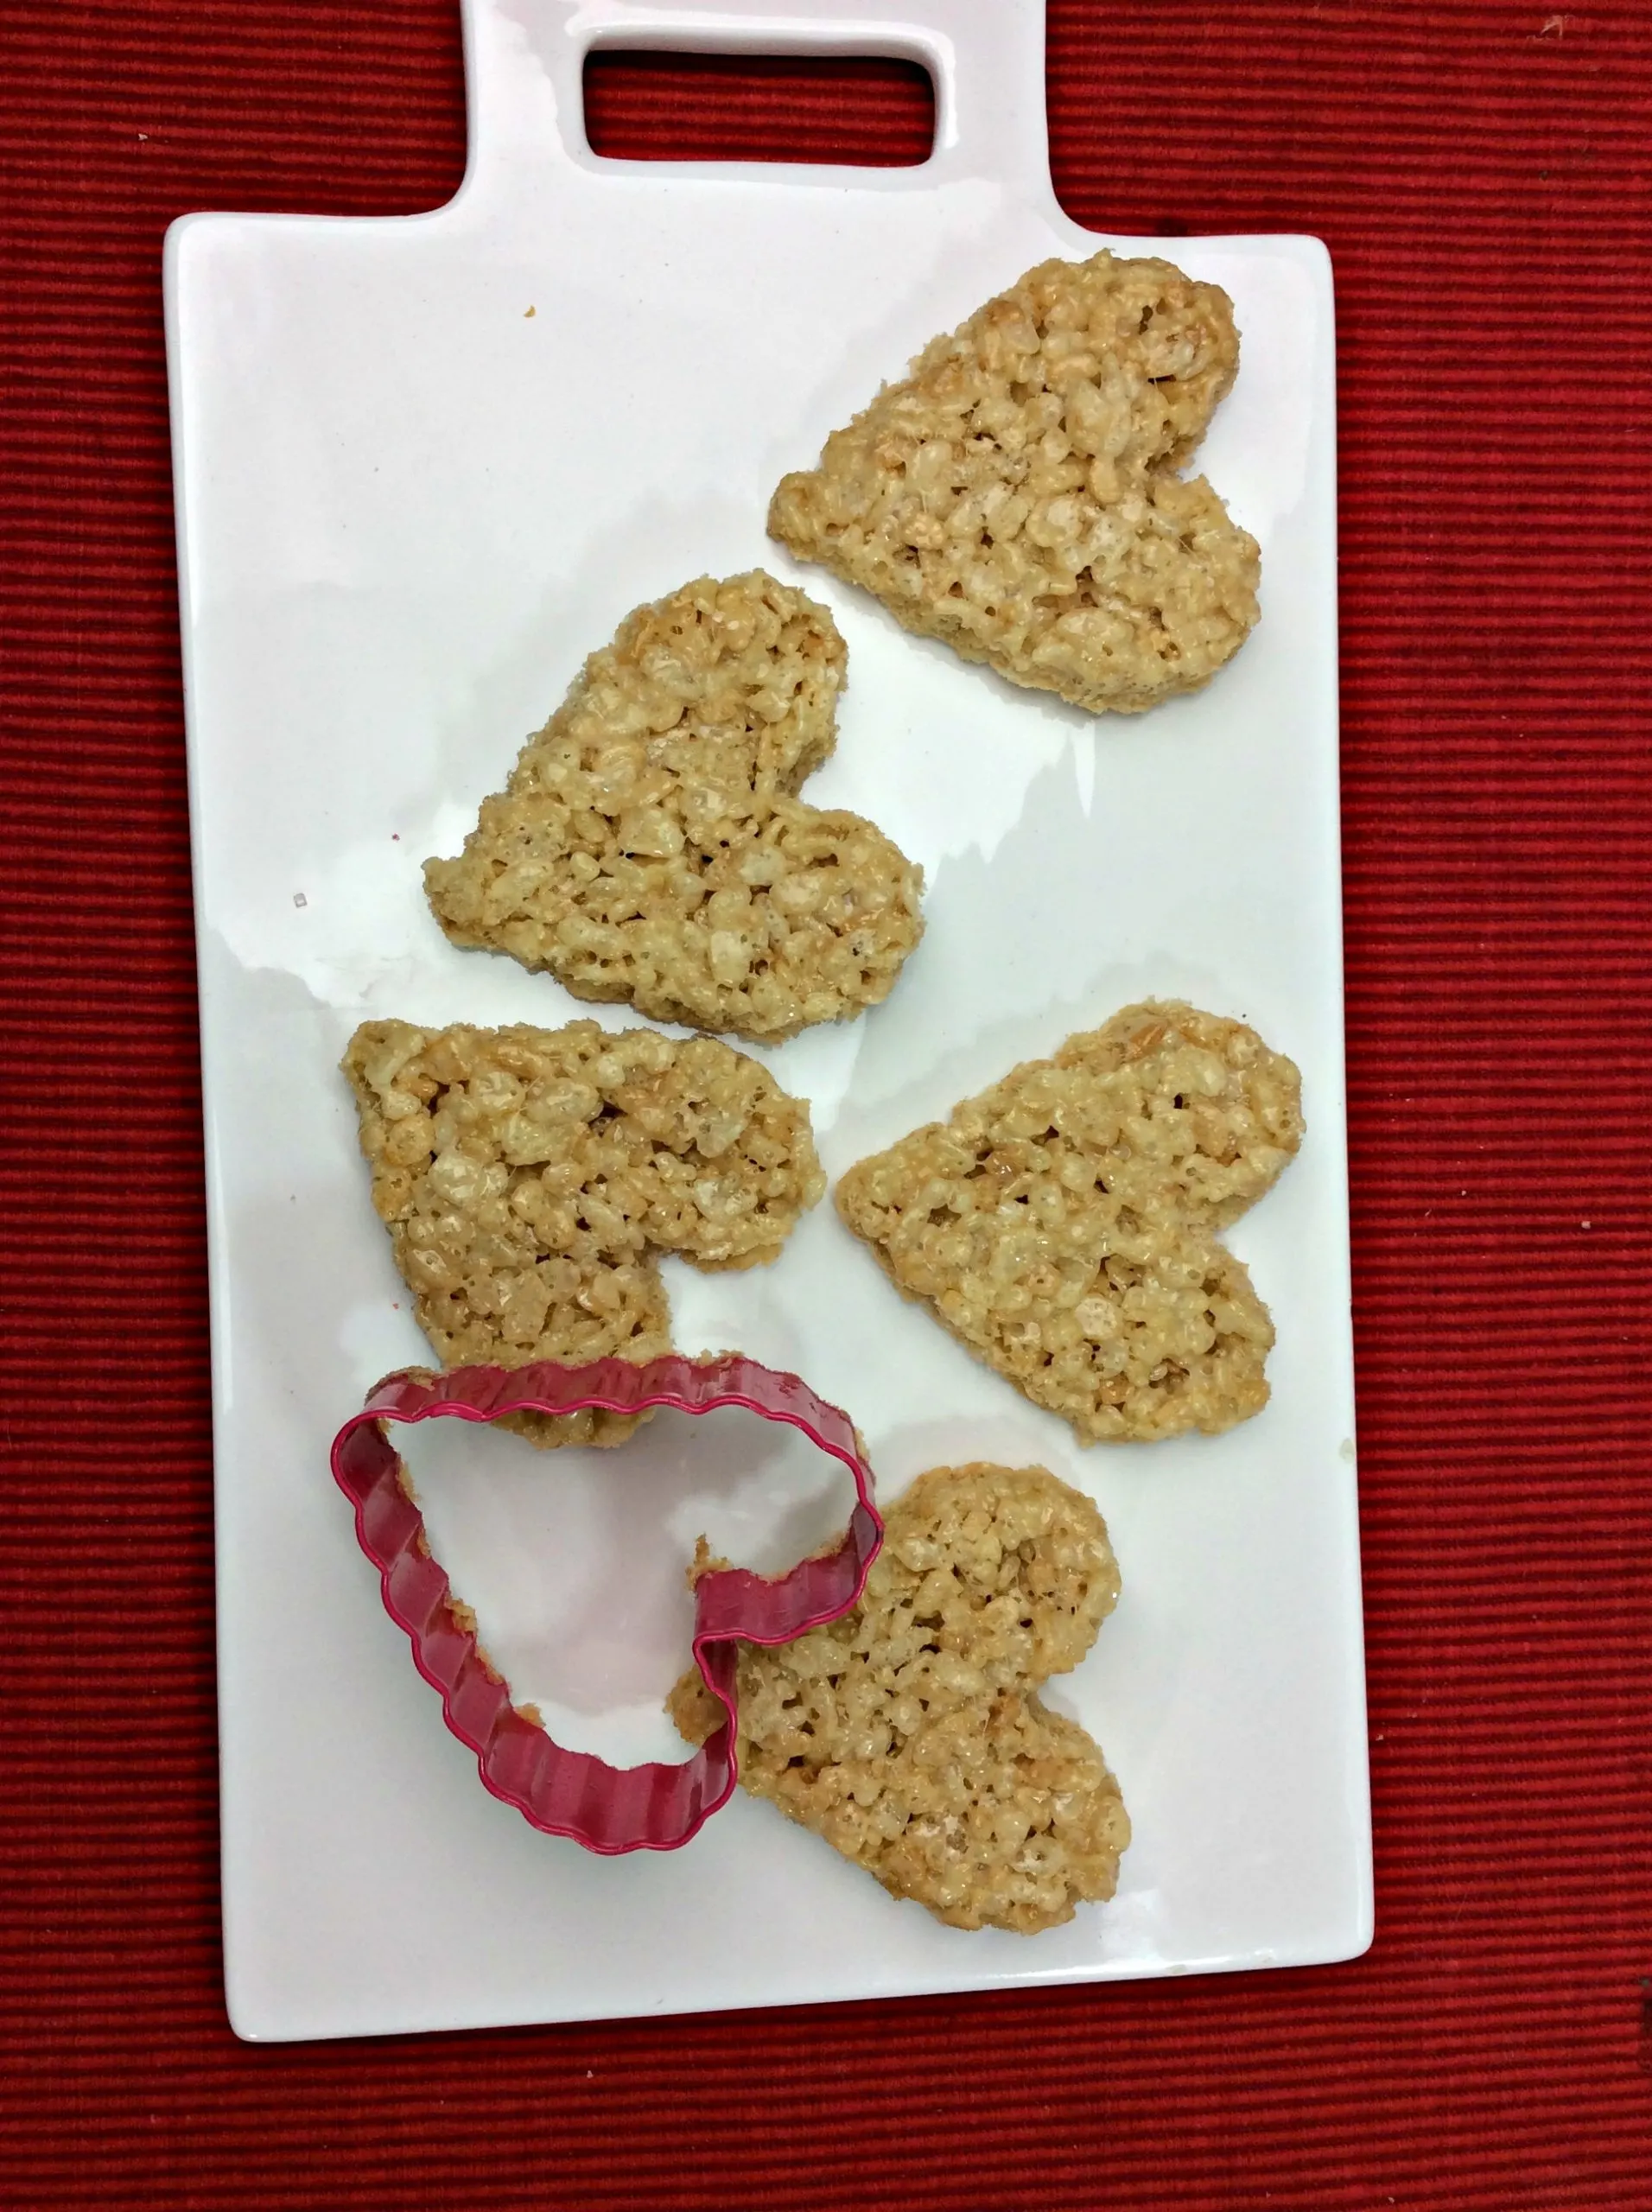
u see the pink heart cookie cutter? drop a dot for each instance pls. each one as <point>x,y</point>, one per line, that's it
<point>567,1793</point>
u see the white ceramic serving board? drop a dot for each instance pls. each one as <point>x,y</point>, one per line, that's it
<point>424,466</point>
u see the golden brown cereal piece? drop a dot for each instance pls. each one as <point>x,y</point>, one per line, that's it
<point>1061,1224</point>
<point>908,1733</point>
<point>650,845</point>
<point>1016,493</point>
<point>529,1177</point>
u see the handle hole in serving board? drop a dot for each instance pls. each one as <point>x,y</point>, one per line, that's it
<point>869,112</point>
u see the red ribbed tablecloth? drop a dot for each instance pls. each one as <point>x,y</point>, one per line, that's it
<point>1480,172</point>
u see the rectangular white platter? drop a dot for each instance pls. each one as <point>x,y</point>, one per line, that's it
<point>423,467</point>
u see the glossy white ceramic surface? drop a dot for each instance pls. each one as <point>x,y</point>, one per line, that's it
<point>424,467</point>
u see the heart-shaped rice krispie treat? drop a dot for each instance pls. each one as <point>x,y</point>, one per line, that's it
<point>1017,495</point>
<point>910,1734</point>
<point>650,845</point>
<point>1061,1224</point>
<point>528,1178</point>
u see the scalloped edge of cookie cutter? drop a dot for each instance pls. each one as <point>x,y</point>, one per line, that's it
<point>566,1793</point>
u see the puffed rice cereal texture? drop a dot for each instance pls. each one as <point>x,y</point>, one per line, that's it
<point>529,1177</point>
<point>1017,493</point>
<point>650,845</point>
<point>910,1734</point>
<point>1062,1224</point>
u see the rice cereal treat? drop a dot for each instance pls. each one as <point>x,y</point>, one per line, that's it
<point>528,1178</point>
<point>1017,493</point>
<point>649,844</point>
<point>1062,1224</point>
<point>909,1733</point>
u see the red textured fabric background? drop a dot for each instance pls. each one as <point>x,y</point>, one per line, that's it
<point>1480,173</point>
